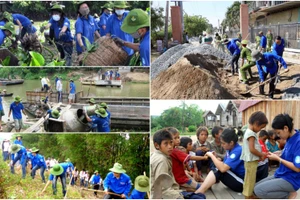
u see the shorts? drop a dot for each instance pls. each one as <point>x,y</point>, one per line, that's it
<point>18,124</point>
<point>1,113</point>
<point>71,97</point>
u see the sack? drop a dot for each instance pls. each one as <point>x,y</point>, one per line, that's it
<point>192,195</point>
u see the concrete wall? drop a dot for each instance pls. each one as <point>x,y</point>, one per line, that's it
<point>176,23</point>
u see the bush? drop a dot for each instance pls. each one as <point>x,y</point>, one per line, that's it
<point>192,128</point>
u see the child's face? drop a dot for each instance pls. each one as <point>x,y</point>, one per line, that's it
<point>217,136</point>
<point>189,147</point>
<point>166,147</point>
<point>257,128</point>
<point>263,138</point>
<point>203,136</point>
<point>176,139</point>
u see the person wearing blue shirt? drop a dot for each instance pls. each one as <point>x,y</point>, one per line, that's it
<point>19,140</point>
<point>38,162</point>
<point>96,181</point>
<point>57,171</point>
<point>105,106</point>
<point>21,155</point>
<point>137,24</point>
<point>24,24</point>
<point>117,182</point>
<point>103,19</point>
<point>1,113</point>
<point>235,51</point>
<point>266,65</point>
<point>72,92</point>
<point>85,26</point>
<point>68,165</point>
<point>263,42</point>
<point>15,108</point>
<point>6,30</point>
<point>278,46</point>
<point>141,186</point>
<point>115,22</point>
<point>63,38</point>
<point>285,182</point>
<point>101,119</point>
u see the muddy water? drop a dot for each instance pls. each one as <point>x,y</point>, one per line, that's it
<point>127,90</point>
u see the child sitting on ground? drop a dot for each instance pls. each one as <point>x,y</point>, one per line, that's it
<point>216,143</point>
<point>191,167</point>
<point>271,143</point>
<point>200,147</point>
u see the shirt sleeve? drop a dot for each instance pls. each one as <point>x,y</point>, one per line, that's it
<point>260,71</point>
<point>128,187</point>
<point>102,21</point>
<point>106,182</point>
<point>22,107</point>
<point>296,160</point>
<point>181,156</point>
<point>280,59</point>
<point>51,177</point>
<point>232,160</point>
<point>79,26</point>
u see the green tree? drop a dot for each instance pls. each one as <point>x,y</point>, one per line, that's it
<point>195,25</point>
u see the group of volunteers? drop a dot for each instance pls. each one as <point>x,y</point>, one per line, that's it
<point>115,22</point>
<point>243,169</point>
<point>117,184</point>
<point>267,56</point>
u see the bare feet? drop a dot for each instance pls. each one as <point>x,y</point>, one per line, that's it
<point>293,195</point>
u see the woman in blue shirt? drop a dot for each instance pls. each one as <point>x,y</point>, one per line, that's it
<point>62,33</point>
<point>103,18</point>
<point>85,26</point>
<point>286,180</point>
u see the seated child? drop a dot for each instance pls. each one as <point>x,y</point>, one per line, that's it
<point>216,143</point>
<point>271,143</point>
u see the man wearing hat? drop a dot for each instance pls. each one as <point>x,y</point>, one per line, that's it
<point>105,106</point>
<point>6,30</point>
<point>101,119</point>
<point>18,140</point>
<point>263,42</point>
<point>269,37</point>
<point>15,108</point>
<point>235,52</point>
<point>24,24</point>
<point>96,181</point>
<point>63,38</point>
<point>85,26</point>
<point>57,171</point>
<point>106,10</point>
<point>54,114</point>
<point>21,155</point>
<point>117,182</point>
<point>266,65</point>
<point>72,92</point>
<point>246,55</point>
<point>6,17</point>
<point>38,162</point>
<point>68,165</point>
<point>115,22</point>
<point>1,113</point>
<point>141,186</point>
<point>137,24</point>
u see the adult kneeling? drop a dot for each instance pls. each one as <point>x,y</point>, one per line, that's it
<point>285,181</point>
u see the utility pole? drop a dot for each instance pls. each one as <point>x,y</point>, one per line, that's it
<point>180,4</point>
<point>166,25</point>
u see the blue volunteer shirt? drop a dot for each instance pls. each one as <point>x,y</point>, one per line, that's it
<point>137,194</point>
<point>278,49</point>
<point>102,124</point>
<point>24,20</point>
<point>2,23</point>
<point>113,27</point>
<point>16,110</point>
<point>87,27</point>
<point>18,142</point>
<point>232,159</point>
<point>51,177</point>
<point>268,65</point>
<point>108,114</point>
<point>1,106</point>
<point>23,154</point>
<point>73,88</point>
<point>2,37</point>
<point>67,165</point>
<point>96,179</point>
<point>103,21</point>
<point>57,29</point>
<point>263,41</point>
<point>291,153</point>
<point>233,47</point>
<point>33,29</point>
<point>49,112</point>
<point>119,186</point>
<point>30,157</point>
<point>39,160</point>
<point>145,49</point>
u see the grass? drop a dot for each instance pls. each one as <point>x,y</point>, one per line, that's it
<point>15,187</point>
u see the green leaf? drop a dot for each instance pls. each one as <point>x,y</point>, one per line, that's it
<point>6,61</point>
<point>36,59</point>
<point>89,46</point>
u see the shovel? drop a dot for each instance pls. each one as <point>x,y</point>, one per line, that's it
<point>263,83</point>
<point>164,180</point>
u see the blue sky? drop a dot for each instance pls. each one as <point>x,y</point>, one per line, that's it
<point>212,10</point>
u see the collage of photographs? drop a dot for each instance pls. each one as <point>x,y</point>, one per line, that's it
<point>154,99</point>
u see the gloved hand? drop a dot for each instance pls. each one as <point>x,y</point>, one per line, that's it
<point>286,70</point>
<point>83,48</point>
<point>118,41</point>
<point>61,34</point>
<point>42,29</point>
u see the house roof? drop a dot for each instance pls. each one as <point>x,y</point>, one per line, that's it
<point>207,112</point>
<point>221,107</point>
<point>281,7</point>
<point>247,104</point>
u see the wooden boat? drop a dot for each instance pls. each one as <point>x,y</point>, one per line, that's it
<point>4,82</point>
<point>6,95</point>
<point>117,83</point>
